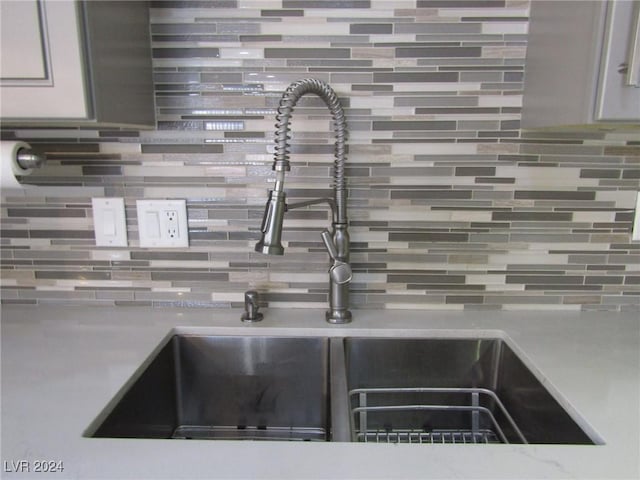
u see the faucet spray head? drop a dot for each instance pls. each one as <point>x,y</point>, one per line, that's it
<point>270,242</point>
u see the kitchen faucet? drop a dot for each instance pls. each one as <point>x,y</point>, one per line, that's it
<point>337,240</point>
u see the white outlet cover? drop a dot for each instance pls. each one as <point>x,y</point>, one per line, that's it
<point>162,223</point>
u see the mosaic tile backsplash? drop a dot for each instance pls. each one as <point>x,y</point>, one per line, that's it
<point>451,205</point>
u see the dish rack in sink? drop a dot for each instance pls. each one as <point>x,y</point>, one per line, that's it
<point>431,415</point>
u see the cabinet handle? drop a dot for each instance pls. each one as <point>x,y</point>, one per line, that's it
<point>633,65</point>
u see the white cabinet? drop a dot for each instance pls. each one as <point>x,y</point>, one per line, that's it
<point>583,64</point>
<point>66,62</point>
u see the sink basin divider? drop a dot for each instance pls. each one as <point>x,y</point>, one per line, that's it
<point>340,418</point>
<point>177,372</point>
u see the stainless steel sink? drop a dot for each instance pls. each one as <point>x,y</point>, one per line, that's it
<point>224,387</point>
<point>396,390</point>
<point>450,391</point>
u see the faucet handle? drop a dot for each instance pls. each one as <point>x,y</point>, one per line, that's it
<point>251,313</point>
<point>340,271</point>
<point>328,243</point>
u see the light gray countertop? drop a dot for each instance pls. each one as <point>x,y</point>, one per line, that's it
<point>61,365</point>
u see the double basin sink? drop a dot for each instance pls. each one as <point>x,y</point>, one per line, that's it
<point>353,389</point>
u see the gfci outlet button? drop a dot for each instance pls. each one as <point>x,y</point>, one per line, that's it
<point>162,223</point>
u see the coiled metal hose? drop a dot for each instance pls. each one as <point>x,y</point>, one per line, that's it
<point>283,123</point>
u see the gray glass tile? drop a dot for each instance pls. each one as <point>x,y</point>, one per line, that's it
<point>474,171</point>
<point>334,40</point>
<point>91,170</point>
<point>159,39</point>
<point>444,287</point>
<point>371,28</point>
<point>283,13</point>
<point>533,216</point>
<point>427,237</point>
<point>294,297</point>
<point>203,52</point>
<point>564,289</point>
<point>412,171</point>
<point>414,77</point>
<point>553,195</point>
<point>431,194</point>
<point>599,173</point>
<point>460,3</point>
<point>326,3</point>
<point>177,256</point>
<point>627,150</point>
<point>581,299</point>
<point>437,52</point>
<point>395,125</point>
<point>426,278</point>
<point>351,78</point>
<point>307,53</point>
<point>513,76</point>
<point>260,38</point>
<point>80,234</point>
<point>603,280</point>
<point>546,279</point>
<point>46,212</point>
<point>549,238</point>
<point>171,29</point>
<point>194,4</point>
<point>168,148</point>
<point>446,28</point>
<point>497,180</point>
<point>52,254</point>
<point>433,101</point>
<point>464,299</point>
<point>514,298</point>
<point>193,276</point>
<point>239,28</point>
<point>489,238</point>
<point>220,77</point>
<point>62,275</point>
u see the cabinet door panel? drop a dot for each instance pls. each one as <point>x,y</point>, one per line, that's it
<point>62,94</point>
<point>618,101</point>
<point>22,24</point>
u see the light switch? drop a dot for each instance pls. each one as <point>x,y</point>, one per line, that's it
<point>109,222</point>
<point>635,228</point>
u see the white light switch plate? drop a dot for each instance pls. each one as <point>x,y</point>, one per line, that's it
<point>109,222</point>
<point>635,229</point>
<point>163,223</point>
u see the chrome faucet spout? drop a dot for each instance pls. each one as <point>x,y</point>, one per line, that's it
<point>338,245</point>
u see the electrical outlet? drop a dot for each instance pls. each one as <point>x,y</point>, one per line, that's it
<point>162,223</point>
<point>171,226</point>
